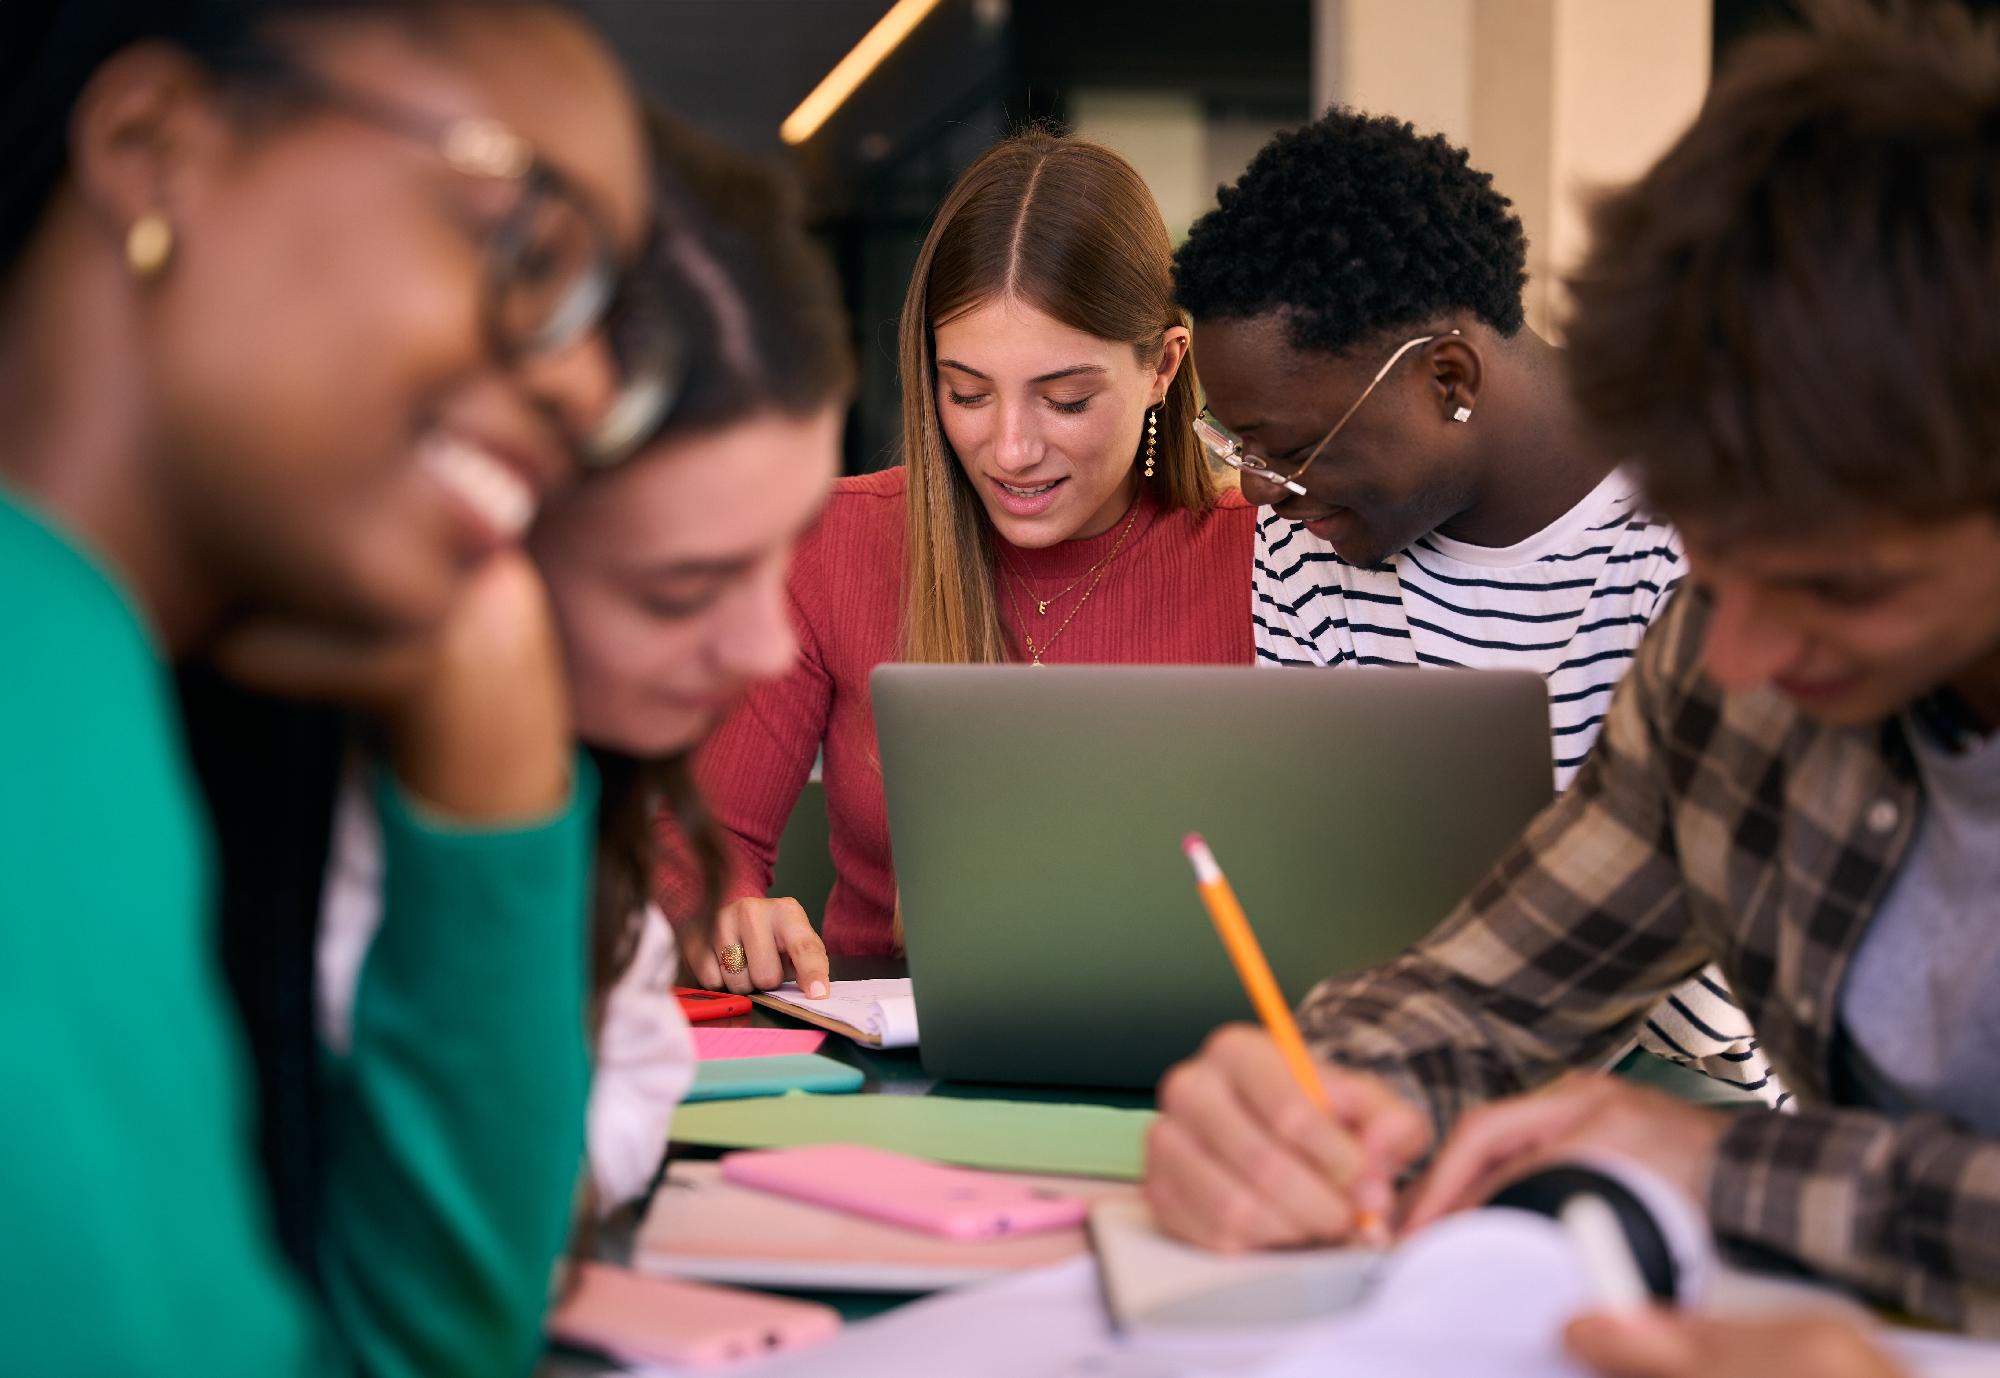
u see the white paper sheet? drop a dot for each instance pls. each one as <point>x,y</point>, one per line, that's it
<point>1487,1294</point>
<point>883,1007</point>
<point>1045,1324</point>
<point>1482,1295</point>
<point>1944,1356</point>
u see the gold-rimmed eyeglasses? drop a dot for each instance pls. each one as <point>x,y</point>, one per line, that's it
<point>1225,448</point>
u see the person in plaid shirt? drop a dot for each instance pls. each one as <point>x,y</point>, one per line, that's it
<point>1429,498</point>
<point>1789,324</point>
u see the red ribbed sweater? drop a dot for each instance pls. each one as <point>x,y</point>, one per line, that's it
<point>1178,593</point>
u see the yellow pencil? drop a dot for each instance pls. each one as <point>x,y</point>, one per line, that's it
<point>1255,972</point>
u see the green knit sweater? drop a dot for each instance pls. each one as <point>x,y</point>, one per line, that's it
<point>134,1236</point>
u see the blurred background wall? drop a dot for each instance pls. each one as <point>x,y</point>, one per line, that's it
<point>1554,97</point>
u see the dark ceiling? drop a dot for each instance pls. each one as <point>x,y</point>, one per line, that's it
<point>737,67</point>
<point>973,70</point>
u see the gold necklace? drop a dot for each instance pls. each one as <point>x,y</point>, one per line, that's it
<point>1042,604</point>
<point>1102,568</point>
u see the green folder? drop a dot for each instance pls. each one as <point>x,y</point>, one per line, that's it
<point>1009,1136</point>
<point>739,1078</point>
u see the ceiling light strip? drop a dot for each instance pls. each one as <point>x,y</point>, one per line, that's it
<point>848,74</point>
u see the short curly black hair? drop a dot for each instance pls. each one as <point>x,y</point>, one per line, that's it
<point>1356,225</point>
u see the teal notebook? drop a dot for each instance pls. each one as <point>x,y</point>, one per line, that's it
<point>738,1078</point>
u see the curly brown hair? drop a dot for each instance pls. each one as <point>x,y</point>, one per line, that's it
<point>1788,320</point>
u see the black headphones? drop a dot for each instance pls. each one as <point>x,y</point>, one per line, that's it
<point>1667,1261</point>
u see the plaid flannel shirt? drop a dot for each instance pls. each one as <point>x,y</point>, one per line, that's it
<point>1705,827</point>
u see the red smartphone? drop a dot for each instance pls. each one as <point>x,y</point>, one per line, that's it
<point>956,1202</point>
<point>700,1005</point>
<point>639,1319</point>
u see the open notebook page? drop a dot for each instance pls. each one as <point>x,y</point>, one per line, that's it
<point>883,1009</point>
<point>1485,1294</point>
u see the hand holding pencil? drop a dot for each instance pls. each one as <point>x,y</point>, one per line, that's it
<point>1260,1145</point>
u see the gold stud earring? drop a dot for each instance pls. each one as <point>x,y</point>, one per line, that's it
<point>148,245</point>
<point>1152,438</point>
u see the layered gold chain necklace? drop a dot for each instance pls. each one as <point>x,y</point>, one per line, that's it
<point>1095,574</point>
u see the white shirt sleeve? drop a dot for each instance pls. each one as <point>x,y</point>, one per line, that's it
<point>1701,1026</point>
<point>645,1064</point>
<point>350,908</point>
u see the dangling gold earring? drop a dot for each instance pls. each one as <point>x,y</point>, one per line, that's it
<point>148,245</point>
<point>1152,438</point>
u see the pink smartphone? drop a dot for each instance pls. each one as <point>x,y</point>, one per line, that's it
<point>956,1202</point>
<point>635,1318</point>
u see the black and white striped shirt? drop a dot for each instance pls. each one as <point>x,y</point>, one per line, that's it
<point>1570,603</point>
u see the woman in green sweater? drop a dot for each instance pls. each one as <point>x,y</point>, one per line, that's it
<point>301,311</point>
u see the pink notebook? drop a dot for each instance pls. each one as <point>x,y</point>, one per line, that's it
<point>715,1044</point>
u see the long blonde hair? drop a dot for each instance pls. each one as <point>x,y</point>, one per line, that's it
<point>1069,227</point>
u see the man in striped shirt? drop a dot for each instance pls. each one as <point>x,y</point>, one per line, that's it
<point>1432,499</point>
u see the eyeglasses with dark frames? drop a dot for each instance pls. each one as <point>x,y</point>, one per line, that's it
<point>1225,448</point>
<point>553,275</point>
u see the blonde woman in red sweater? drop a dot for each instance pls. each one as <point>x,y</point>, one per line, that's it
<point>1054,508</point>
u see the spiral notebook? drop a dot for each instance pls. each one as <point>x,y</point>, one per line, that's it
<point>880,1013</point>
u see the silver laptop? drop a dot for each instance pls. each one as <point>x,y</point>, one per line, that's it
<point>1036,816</point>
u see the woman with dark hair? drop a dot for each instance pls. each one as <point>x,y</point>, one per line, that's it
<point>1052,507</point>
<point>301,309</point>
<point>668,580</point>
